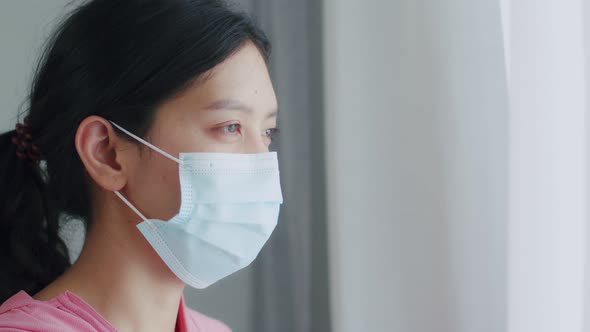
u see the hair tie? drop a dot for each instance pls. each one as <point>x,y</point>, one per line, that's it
<point>25,149</point>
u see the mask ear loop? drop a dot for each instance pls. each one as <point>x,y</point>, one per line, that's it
<point>130,205</point>
<point>148,144</point>
<point>153,147</point>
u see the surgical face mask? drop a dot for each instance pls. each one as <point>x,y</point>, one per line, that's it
<point>229,208</point>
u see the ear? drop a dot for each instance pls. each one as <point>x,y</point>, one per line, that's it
<point>98,145</point>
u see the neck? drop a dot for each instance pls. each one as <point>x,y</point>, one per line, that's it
<point>123,279</point>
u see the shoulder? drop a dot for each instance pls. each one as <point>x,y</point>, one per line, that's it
<point>20,319</point>
<point>23,313</point>
<point>19,313</point>
<point>205,323</point>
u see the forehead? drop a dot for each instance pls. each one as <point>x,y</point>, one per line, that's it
<point>243,77</point>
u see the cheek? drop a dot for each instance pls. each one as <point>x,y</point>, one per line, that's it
<point>155,188</point>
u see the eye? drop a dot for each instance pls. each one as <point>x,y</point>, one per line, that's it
<point>271,133</point>
<point>231,129</point>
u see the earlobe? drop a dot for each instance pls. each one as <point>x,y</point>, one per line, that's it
<point>96,143</point>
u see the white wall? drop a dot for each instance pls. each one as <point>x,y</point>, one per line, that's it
<point>416,131</point>
<point>23,27</point>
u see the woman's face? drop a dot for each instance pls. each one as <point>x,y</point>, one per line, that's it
<point>232,109</point>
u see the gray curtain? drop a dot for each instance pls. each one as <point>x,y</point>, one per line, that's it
<point>286,288</point>
<point>290,276</point>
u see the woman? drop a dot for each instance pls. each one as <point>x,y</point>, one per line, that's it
<point>150,120</point>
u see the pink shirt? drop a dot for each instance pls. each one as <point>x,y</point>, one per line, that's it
<point>67,312</point>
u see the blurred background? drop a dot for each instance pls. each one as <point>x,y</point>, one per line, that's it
<point>434,158</point>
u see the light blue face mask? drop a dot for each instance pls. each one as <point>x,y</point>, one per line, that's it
<point>229,208</point>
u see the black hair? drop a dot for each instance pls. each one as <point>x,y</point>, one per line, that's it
<point>116,59</point>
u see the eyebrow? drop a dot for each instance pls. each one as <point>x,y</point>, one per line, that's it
<point>232,104</point>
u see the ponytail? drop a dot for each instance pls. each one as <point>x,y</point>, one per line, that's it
<point>31,252</point>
